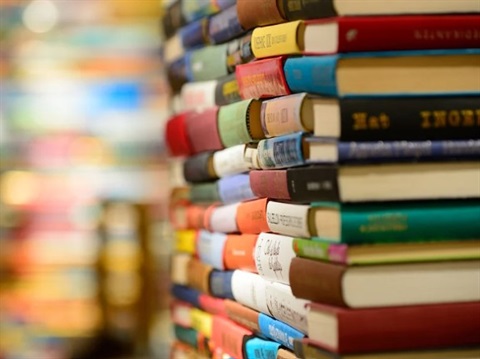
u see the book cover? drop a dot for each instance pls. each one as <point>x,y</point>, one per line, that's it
<point>224,26</point>
<point>251,216</point>
<point>235,188</point>
<point>202,130</point>
<point>252,14</point>
<point>238,252</point>
<point>230,161</point>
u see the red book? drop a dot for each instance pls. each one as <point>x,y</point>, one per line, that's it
<point>212,305</point>
<point>229,336</point>
<point>176,136</point>
<point>262,79</point>
<point>202,130</point>
<point>394,328</point>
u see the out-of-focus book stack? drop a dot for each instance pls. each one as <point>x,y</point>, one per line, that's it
<point>330,207</point>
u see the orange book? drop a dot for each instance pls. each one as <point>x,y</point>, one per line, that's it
<point>238,252</point>
<point>252,216</point>
<point>229,336</point>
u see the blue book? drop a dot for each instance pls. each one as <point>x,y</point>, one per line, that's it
<point>278,331</point>
<point>210,248</point>
<point>187,294</point>
<point>221,284</point>
<point>388,73</point>
<point>257,348</point>
<point>195,33</point>
<point>235,188</point>
<point>224,26</point>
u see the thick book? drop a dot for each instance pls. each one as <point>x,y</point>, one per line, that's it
<point>366,33</point>
<point>238,252</point>
<point>202,130</point>
<point>230,337</point>
<point>354,183</point>
<point>236,188</point>
<point>230,161</point>
<point>224,26</point>
<point>295,9</point>
<point>199,168</point>
<point>382,253</point>
<point>373,119</point>
<point>385,285</point>
<point>416,327</point>
<point>258,13</point>
<point>309,349</point>
<point>382,222</point>
<point>252,217</point>
<point>385,73</point>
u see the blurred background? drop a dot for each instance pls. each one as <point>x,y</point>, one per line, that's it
<point>84,238</point>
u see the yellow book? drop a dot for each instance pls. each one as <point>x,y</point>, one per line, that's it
<point>277,39</point>
<point>185,241</point>
<point>202,322</point>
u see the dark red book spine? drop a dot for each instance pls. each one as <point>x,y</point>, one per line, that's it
<point>419,32</point>
<point>202,130</point>
<point>271,183</point>
<point>262,79</point>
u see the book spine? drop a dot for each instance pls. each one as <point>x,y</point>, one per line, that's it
<point>223,218</point>
<point>204,192</point>
<point>185,241</point>
<point>186,294</point>
<point>194,33</point>
<point>253,14</point>
<point>186,335</point>
<point>234,122</point>
<point>313,9</point>
<point>275,40</point>
<point>249,289</point>
<point>197,95</point>
<point>279,332</point>
<point>285,306</point>
<point>372,224</point>
<point>210,247</point>
<point>257,348</point>
<point>224,26</point>
<point>198,274</point>
<point>242,315</point>
<point>239,51</point>
<point>173,19</point>
<point>221,284</point>
<point>429,118</point>
<point>312,249</point>
<point>281,152</point>
<point>230,161</point>
<point>288,218</point>
<point>208,63</point>
<point>271,184</point>
<point>273,254</point>
<point>201,322</point>
<point>177,74</point>
<point>238,252</point>
<point>262,79</point>
<point>282,115</point>
<point>407,150</point>
<point>181,313</point>
<point>252,216</point>
<point>212,305</point>
<point>314,183</point>
<point>202,130</point>
<point>195,216</point>
<point>312,74</point>
<point>178,272</point>
<point>227,91</point>
<point>328,290</point>
<point>408,33</point>
<point>235,189</point>
<point>176,136</point>
<point>229,336</point>
<point>196,168</point>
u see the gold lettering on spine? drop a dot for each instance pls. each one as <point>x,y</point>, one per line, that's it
<point>359,121</point>
<point>454,118</point>
<point>364,121</point>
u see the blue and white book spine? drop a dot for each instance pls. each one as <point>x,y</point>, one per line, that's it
<point>210,246</point>
<point>187,294</point>
<point>235,188</point>
<point>224,26</point>
<point>413,150</point>
<point>278,331</point>
<point>281,152</point>
<point>221,284</point>
<point>257,348</point>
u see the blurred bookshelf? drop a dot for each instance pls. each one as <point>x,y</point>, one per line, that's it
<point>83,180</point>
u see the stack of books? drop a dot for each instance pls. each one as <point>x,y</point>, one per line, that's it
<point>331,206</point>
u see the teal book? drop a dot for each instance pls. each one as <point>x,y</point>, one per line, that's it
<point>396,221</point>
<point>387,73</point>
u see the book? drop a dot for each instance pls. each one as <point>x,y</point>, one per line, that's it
<point>199,168</point>
<point>236,188</point>
<point>360,223</point>
<point>252,14</point>
<point>251,216</point>
<point>176,137</point>
<point>223,218</point>
<point>409,73</point>
<point>366,33</point>
<point>263,78</point>
<point>382,253</point>
<point>261,348</point>
<point>202,130</point>
<point>224,26</point>
<point>193,10</point>
<point>416,327</point>
<point>229,336</point>
<point>295,9</point>
<point>243,315</point>
<point>207,63</point>
<point>239,123</point>
<point>351,183</point>
<point>173,19</point>
<point>385,285</point>
<point>309,349</point>
<point>230,161</point>
<point>238,252</point>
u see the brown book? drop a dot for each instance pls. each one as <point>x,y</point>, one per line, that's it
<point>386,284</point>
<point>198,274</point>
<point>258,13</point>
<point>242,315</point>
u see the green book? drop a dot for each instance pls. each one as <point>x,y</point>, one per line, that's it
<point>204,192</point>
<point>186,335</point>
<point>208,63</point>
<point>396,221</point>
